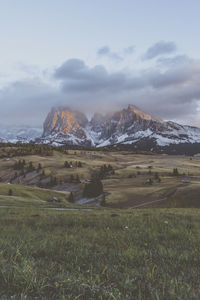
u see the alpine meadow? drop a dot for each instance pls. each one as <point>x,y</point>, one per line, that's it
<point>99,150</point>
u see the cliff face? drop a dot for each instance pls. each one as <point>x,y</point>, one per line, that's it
<point>128,122</point>
<point>62,123</point>
<point>128,126</point>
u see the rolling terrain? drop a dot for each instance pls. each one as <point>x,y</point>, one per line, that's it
<point>139,245</point>
<point>126,186</point>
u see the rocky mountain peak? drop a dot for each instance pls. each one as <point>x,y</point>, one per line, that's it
<point>127,126</point>
<point>141,114</point>
<point>65,122</point>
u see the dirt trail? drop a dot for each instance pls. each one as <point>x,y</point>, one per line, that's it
<point>154,201</point>
<point>148,203</point>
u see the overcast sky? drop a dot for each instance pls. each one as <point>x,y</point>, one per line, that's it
<point>99,55</point>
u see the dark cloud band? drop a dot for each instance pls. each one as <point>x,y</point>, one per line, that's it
<point>159,48</point>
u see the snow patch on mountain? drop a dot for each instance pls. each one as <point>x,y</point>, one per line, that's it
<point>128,126</point>
<point>19,134</point>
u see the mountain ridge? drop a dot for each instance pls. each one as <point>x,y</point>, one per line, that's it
<point>126,126</point>
<point>129,128</point>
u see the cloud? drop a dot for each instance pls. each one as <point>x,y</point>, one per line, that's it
<point>174,61</point>
<point>106,52</point>
<point>169,90</point>
<point>159,48</point>
<point>129,50</point>
<point>26,102</point>
<point>28,69</point>
<point>174,92</point>
<point>76,76</point>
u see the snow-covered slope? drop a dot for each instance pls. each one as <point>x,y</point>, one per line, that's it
<point>64,126</point>
<point>128,126</point>
<point>19,134</point>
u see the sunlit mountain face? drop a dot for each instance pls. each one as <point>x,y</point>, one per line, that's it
<point>130,127</point>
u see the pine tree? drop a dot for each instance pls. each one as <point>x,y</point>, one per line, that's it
<point>51,182</point>
<point>31,167</point>
<point>66,164</point>
<point>71,178</point>
<point>71,197</point>
<point>93,189</point>
<point>77,178</point>
<point>150,181</point>
<point>156,176</point>
<point>103,201</point>
<point>79,164</point>
<point>175,172</point>
<point>39,167</point>
<point>10,192</point>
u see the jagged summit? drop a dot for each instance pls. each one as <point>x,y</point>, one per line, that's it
<point>141,114</point>
<point>65,122</point>
<point>127,126</point>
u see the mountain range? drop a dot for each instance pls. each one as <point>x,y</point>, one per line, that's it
<point>129,127</point>
<point>24,134</point>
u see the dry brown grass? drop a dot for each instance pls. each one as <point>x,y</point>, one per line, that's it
<point>119,187</point>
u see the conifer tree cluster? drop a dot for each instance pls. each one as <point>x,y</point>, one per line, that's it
<point>93,189</point>
<point>76,164</point>
<point>30,167</point>
<point>106,170</point>
<point>22,168</point>
<point>74,178</point>
<point>175,172</point>
<point>68,164</point>
<point>20,149</point>
<point>19,165</point>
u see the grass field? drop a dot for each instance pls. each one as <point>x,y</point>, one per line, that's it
<point>28,195</point>
<point>99,254</point>
<point>55,251</point>
<point>126,187</point>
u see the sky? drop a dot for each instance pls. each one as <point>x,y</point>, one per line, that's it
<point>96,55</point>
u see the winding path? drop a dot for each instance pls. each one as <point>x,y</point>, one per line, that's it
<point>147,203</point>
<point>155,201</point>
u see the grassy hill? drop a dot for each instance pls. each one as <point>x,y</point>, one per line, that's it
<point>69,251</point>
<point>126,187</point>
<point>28,195</point>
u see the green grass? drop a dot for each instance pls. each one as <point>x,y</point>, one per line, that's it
<point>186,196</point>
<point>102,253</point>
<point>99,254</point>
<point>28,195</point>
<point>122,191</point>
